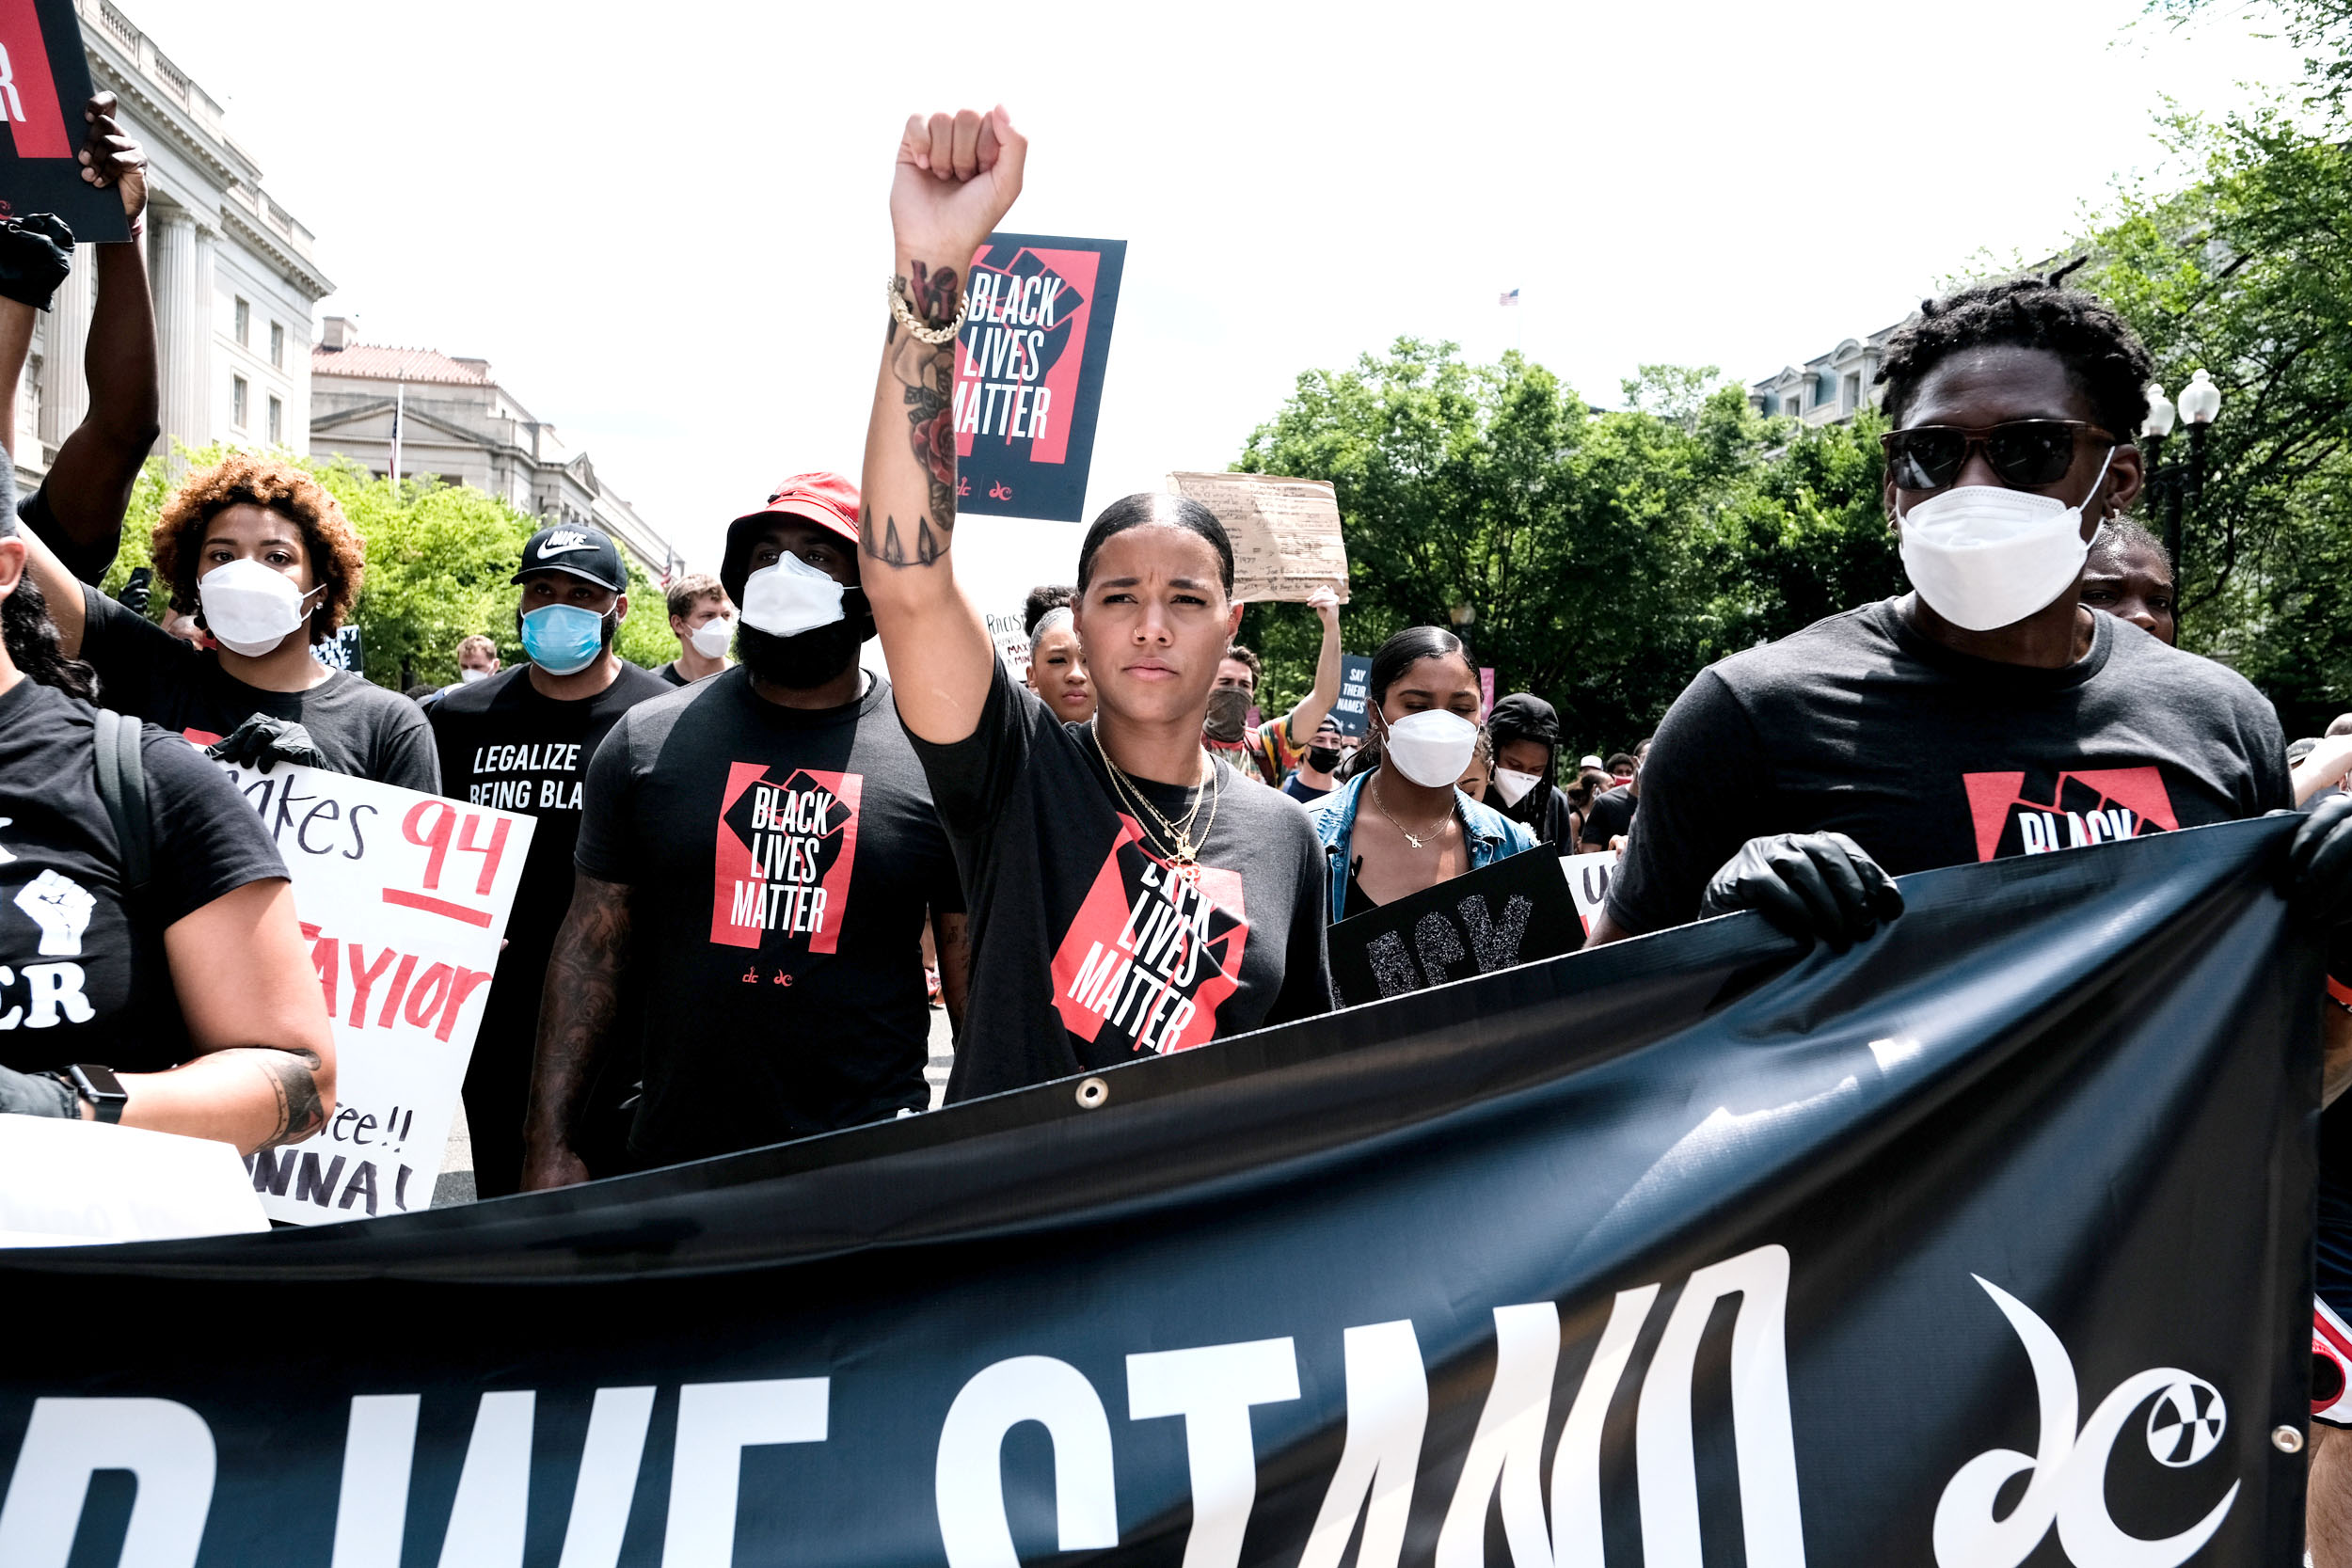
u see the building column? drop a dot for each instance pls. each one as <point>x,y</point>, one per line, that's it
<point>182,258</point>
<point>64,390</point>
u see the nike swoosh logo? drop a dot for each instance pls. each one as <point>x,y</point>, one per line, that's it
<point>546,550</point>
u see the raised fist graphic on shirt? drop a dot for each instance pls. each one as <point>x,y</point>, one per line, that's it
<point>61,909</point>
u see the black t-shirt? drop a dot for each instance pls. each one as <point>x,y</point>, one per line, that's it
<point>87,562</point>
<point>505,745</point>
<point>1553,828</point>
<point>82,976</point>
<point>1301,791</point>
<point>1609,815</point>
<point>669,672</point>
<point>1086,950</point>
<point>1928,758</point>
<point>360,729</point>
<point>782,862</point>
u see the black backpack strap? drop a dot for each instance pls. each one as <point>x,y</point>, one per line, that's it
<point>122,790</point>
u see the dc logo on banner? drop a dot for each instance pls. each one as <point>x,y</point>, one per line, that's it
<point>2070,1471</point>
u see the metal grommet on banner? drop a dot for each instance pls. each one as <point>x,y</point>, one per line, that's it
<point>1092,1093</point>
<point>2287,1439</point>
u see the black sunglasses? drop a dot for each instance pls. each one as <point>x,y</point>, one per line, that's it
<point>2023,453</point>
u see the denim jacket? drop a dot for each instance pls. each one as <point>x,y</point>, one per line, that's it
<point>1491,836</point>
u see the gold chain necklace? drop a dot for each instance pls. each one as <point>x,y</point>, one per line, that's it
<point>1181,851</point>
<point>1372,789</point>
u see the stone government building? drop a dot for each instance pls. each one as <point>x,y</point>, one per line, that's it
<point>235,285</point>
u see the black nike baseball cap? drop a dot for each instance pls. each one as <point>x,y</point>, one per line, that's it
<point>585,552</point>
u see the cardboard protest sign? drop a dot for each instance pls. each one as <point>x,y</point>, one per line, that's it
<point>403,898</point>
<point>44,81</point>
<point>1349,710</point>
<point>1285,533</point>
<point>1588,882</point>
<point>1499,916</point>
<point>1036,340</point>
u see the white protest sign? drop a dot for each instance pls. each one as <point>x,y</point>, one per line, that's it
<point>1588,880</point>
<point>403,898</point>
<point>65,1183</point>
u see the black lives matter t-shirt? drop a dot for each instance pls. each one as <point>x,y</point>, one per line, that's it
<point>83,971</point>
<point>1087,948</point>
<point>1928,757</point>
<point>782,861</point>
<point>360,729</point>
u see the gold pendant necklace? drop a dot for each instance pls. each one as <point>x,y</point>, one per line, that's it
<point>1372,789</point>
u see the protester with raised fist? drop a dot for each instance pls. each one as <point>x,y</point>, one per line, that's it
<point>1270,750</point>
<point>271,566</point>
<point>152,976</point>
<point>1399,823</point>
<point>702,618</point>
<point>1069,836</point>
<point>77,511</point>
<point>521,741</point>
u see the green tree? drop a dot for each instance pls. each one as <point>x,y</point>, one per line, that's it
<point>438,561</point>
<point>1607,557</point>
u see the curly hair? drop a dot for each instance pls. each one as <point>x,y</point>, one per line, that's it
<point>25,628</point>
<point>2103,356</point>
<point>1044,598</point>
<point>338,559</point>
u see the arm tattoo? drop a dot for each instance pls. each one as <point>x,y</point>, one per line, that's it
<point>925,373</point>
<point>579,1002</point>
<point>292,1075</point>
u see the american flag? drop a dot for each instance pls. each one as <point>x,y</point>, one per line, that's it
<point>1510,298</point>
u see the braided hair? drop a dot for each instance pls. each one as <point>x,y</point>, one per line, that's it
<point>29,635</point>
<point>2103,356</point>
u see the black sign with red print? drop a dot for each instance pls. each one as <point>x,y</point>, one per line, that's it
<point>1037,336</point>
<point>2032,813</point>
<point>786,850</point>
<point>1154,953</point>
<point>44,81</point>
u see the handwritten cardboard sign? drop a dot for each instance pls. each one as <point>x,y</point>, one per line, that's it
<point>44,81</point>
<point>1285,533</point>
<point>1513,912</point>
<point>403,898</point>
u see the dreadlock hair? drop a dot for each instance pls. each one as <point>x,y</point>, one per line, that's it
<point>29,635</point>
<point>1399,654</point>
<point>2103,356</point>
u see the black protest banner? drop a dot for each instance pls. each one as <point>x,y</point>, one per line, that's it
<point>44,81</point>
<point>1985,1243</point>
<point>1030,366</point>
<point>1512,912</point>
<point>1349,710</point>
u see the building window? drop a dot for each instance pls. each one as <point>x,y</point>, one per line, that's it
<point>277,422</point>
<point>278,344</point>
<point>244,325</point>
<point>238,393</point>
<point>1853,391</point>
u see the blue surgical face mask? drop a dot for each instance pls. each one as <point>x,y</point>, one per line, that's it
<point>564,639</point>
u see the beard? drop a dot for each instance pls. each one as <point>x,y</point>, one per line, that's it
<point>805,660</point>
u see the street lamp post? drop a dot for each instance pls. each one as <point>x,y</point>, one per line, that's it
<point>2201,405</point>
<point>2153,432</point>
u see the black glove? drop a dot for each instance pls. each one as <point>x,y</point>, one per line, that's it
<point>2319,864</point>
<point>136,590</point>
<point>35,254</point>
<point>1808,885</point>
<point>38,1094</point>
<point>262,742</point>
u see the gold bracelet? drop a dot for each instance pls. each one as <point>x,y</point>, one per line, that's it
<point>904,315</point>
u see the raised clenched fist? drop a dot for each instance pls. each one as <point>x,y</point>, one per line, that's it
<point>60,907</point>
<point>957,177</point>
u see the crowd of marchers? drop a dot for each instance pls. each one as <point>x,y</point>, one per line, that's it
<point>752,879</point>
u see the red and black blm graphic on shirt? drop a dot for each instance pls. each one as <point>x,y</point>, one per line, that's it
<point>2032,813</point>
<point>1152,954</point>
<point>785,850</point>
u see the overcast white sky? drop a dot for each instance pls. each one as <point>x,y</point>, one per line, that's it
<point>673,246</point>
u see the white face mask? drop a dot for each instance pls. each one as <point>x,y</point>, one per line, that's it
<point>1431,748</point>
<point>1512,786</point>
<point>1984,556</point>
<point>790,598</point>
<point>470,676</point>
<point>249,609</point>
<point>711,638</point>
